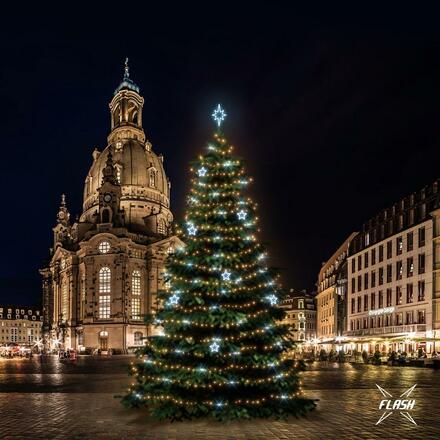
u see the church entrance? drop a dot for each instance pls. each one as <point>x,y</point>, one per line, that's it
<point>103,340</point>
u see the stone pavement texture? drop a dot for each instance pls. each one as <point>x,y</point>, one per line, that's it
<point>71,406</point>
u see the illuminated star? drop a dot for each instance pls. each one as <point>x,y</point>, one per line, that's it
<point>214,347</point>
<point>241,215</point>
<point>202,172</point>
<point>192,230</point>
<point>174,299</point>
<point>226,276</point>
<point>219,115</point>
<point>272,299</point>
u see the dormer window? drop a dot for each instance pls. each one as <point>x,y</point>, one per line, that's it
<point>153,178</point>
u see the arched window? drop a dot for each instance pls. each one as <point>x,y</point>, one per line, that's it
<point>65,302</point>
<point>116,116</point>
<point>132,112</point>
<point>136,282</point>
<point>138,338</point>
<point>105,215</point>
<point>104,280</point>
<point>153,178</point>
<point>161,227</point>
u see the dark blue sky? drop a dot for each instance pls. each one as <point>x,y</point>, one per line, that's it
<point>336,113</point>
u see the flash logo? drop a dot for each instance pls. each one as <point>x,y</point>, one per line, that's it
<point>401,404</point>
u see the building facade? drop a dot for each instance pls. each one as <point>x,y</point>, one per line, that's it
<point>106,268</point>
<point>20,325</point>
<point>331,299</point>
<point>394,277</point>
<point>300,315</point>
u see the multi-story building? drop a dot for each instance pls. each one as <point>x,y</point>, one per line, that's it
<point>300,315</point>
<point>20,325</point>
<point>394,277</point>
<point>106,268</point>
<point>332,296</point>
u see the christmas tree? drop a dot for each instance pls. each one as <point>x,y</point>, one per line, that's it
<point>221,351</point>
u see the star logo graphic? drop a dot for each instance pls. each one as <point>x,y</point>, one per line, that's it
<point>403,404</point>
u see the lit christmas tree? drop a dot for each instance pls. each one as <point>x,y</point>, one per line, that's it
<point>221,351</point>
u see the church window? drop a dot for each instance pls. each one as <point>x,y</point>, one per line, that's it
<point>64,302</point>
<point>136,282</point>
<point>117,116</point>
<point>138,338</point>
<point>136,308</point>
<point>153,177</point>
<point>104,307</point>
<point>104,280</point>
<point>104,247</point>
<point>132,112</point>
<point>161,227</point>
<point>170,250</point>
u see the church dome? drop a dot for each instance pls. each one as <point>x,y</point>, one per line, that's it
<point>145,189</point>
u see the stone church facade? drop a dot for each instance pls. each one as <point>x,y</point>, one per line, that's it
<point>106,268</point>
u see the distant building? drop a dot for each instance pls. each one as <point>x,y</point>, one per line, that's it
<point>331,299</point>
<point>20,325</point>
<point>394,277</point>
<point>300,315</point>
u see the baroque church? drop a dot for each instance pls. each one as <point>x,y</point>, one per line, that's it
<point>106,268</point>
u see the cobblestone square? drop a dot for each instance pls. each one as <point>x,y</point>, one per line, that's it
<point>50,400</point>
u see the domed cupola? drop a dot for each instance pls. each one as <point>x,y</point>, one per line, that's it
<point>127,83</point>
<point>126,111</point>
<point>145,189</point>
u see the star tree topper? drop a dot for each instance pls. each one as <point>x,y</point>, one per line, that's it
<point>219,115</point>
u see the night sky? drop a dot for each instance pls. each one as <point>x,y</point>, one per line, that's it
<point>335,112</point>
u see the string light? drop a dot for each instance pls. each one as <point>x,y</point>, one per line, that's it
<point>220,339</point>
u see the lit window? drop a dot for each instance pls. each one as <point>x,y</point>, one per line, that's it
<point>161,227</point>
<point>136,308</point>
<point>104,247</point>
<point>170,250</point>
<point>153,176</point>
<point>118,173</point>
<point>64,302</point>
<point>136,282</point>
<point>104,280</point>
<point>138,336</point>
<point>104,306</point>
